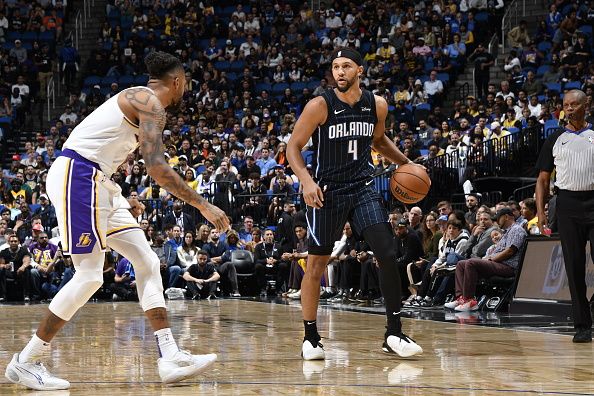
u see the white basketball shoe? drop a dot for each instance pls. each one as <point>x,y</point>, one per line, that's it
<point>33,375</point>
<point>183,365</point>
<point>309,351</point>
<point>402,345</point>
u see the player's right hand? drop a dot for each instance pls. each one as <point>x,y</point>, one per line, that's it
<point>542,225</point>
<point>216,216</point>
<point>313,196</point>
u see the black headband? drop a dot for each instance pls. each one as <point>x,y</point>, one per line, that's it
<point>349,53</point>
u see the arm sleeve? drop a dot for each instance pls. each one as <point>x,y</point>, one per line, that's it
<point>546,161</point>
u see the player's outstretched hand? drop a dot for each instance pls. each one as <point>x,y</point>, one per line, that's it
<point>216,216</point>
<point>313,196</point>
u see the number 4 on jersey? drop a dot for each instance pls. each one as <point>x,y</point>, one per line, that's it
<point>353,149</point>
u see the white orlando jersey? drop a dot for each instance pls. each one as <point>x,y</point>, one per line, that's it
<point>106,136</point>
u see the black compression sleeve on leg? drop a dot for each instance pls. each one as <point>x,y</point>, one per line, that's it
<point>380,239</point>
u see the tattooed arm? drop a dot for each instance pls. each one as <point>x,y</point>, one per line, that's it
<point>151,119</point>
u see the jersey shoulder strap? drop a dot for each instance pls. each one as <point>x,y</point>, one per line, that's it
<point>328,96</point>
<point>371,99</point>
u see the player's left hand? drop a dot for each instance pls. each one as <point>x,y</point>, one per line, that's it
<point>415,164</point>
<point>313,195</point>
<point>136,207</point>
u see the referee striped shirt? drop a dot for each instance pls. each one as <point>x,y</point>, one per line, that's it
<point>571,153</point>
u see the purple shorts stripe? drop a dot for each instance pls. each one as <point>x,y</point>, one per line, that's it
<point>82,230</point>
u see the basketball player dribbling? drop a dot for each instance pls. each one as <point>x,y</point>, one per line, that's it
<point>344,124</point>
<point>93,215</point>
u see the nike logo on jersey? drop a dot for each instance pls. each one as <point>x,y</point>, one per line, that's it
<point>564,143</point>
<point>369,182</point>
<point>339,111</point>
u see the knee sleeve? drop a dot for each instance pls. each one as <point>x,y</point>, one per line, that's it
<point>147,267</point>
<point>379,238</point>
<point>85,282</point>
<point>149,284</point>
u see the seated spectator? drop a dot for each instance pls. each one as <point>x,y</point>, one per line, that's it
<point>476,246</point>
<point>502,260</point>
<point>267,258</point>
<point>15,263</point>
<point>186,253</point>
<point>433,89</point>
<point>408,243</point>
<point>532,86</point>
<point>167,272</point>
<point>431,235</point>
<point>298,260</point>
<point>434,283</point>
<point>519,36</point>
<point>512,61</point>
<point>68,117</point>
<point>43,273</point>
<point>124,285</point>
<point>182,219</point>
<point>528,211</point>
<point>201,278</point>
<point>256,240</point>
<point>226,268</point>
<point>369,281</point>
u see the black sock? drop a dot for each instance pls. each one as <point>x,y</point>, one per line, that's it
<point>394,326</point>
<point>379,238</point>
<point>311,330</point>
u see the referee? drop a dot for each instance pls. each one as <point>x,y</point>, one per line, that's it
<point>570,151</point>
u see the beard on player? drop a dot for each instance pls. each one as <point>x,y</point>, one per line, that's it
<point>348,85</point>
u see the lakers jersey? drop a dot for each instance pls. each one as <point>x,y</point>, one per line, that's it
<point>106,136</point>
<point>342,145</point>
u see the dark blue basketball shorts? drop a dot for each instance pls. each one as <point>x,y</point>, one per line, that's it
<point>361,207</point>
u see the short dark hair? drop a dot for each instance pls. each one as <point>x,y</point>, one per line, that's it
<point>455,223</point>
<point>530,203</point>
<point>202,252</point>
<point>159,64</point>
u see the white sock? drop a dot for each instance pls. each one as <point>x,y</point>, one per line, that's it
<point>166,343</point>
<point>328,289</point>
<point>35,348</point>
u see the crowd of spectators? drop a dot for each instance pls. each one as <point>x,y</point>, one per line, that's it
<point>250,69</point>
<point>30,34</point>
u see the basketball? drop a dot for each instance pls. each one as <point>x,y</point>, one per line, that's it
<point>410,183</point>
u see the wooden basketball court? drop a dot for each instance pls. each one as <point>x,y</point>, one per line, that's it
<point>108,348</point>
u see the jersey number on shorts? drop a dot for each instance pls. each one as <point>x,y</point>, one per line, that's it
<point>353,149</point>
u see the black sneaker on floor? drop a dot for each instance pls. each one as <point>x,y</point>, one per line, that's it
<point>583,336</point>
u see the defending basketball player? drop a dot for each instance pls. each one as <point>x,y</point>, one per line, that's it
<point>344,124</point>
<point>93,215</point>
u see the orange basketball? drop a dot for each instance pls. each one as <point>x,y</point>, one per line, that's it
<point>410,183</point>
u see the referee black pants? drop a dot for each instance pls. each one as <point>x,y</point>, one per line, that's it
<point>575,219</point>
